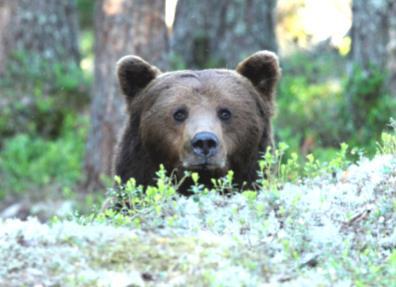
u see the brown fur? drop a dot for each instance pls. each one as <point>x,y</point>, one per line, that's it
<point>152,136</point>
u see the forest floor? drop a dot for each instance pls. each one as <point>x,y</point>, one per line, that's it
<point>333,230</point>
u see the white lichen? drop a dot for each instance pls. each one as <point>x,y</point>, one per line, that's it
<point>326,231</point>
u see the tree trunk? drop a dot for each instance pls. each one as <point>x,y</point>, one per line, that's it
<point>122,27</point>
<point>211,33</point>
<point>38,50</point>
<point>392,49</point>
<point>373,50</point>
<point>370,33</point>
<point>47,29</point>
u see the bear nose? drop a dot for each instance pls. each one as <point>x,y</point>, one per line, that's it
<point>205,144</point>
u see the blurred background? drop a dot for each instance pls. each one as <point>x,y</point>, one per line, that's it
<point>61,110</point>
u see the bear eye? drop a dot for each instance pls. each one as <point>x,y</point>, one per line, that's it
<point>180,115</point>
<point>224,114</point>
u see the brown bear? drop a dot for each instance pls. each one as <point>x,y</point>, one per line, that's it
<point>208,121</point>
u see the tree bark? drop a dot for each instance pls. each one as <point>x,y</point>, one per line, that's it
<point>122,27</point>
<point>208,33</point>
<point>38,47</point>
<point>372,58</point>
<point>47,29</point>
<point>392,49</point>
<point>370,33</point>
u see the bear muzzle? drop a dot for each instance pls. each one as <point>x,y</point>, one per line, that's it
<point>204,153</point>
<point>205,144</point>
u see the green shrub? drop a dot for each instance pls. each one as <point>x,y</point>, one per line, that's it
<point>85,10</point>
<point>308,111</point>
<point>309,97</point>
<point>387,144</point>
<point>31,162</point>
<point>320,105</point>
<point>275,169</point>
<point>37,95</point>
<point>367,107</point>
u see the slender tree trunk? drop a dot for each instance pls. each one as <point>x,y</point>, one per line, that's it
<point>122,27</point>
<point>222,32</point>
<point>38,46</point>
<point>373,58</point>
<point>370,33</point>
<point>47,29</point>
<point>392,49</point>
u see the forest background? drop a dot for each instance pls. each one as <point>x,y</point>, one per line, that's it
<point>61,111</point>
<point>323,210</point>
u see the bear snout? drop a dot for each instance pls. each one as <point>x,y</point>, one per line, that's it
<point>205,144</point>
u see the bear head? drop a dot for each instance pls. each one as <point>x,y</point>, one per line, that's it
<point>208,121</point>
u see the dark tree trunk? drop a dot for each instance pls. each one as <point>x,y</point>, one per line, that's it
<point>122,27</point>
<point>222,32</point>
<point>370,33</point>
<point>45,28</point>
<point>38,47</point>
<point>392,49</point>
<point>373,53</point>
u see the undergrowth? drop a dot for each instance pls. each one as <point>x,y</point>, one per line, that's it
<point>320,104</point>
<point>276,168</point>
<point>388,140</point>
<point>29,162</point>
<point>310,223</point>
<point>129,201</point>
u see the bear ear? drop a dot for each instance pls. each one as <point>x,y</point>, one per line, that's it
<point>134,74</point>
<point>262,69</point>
